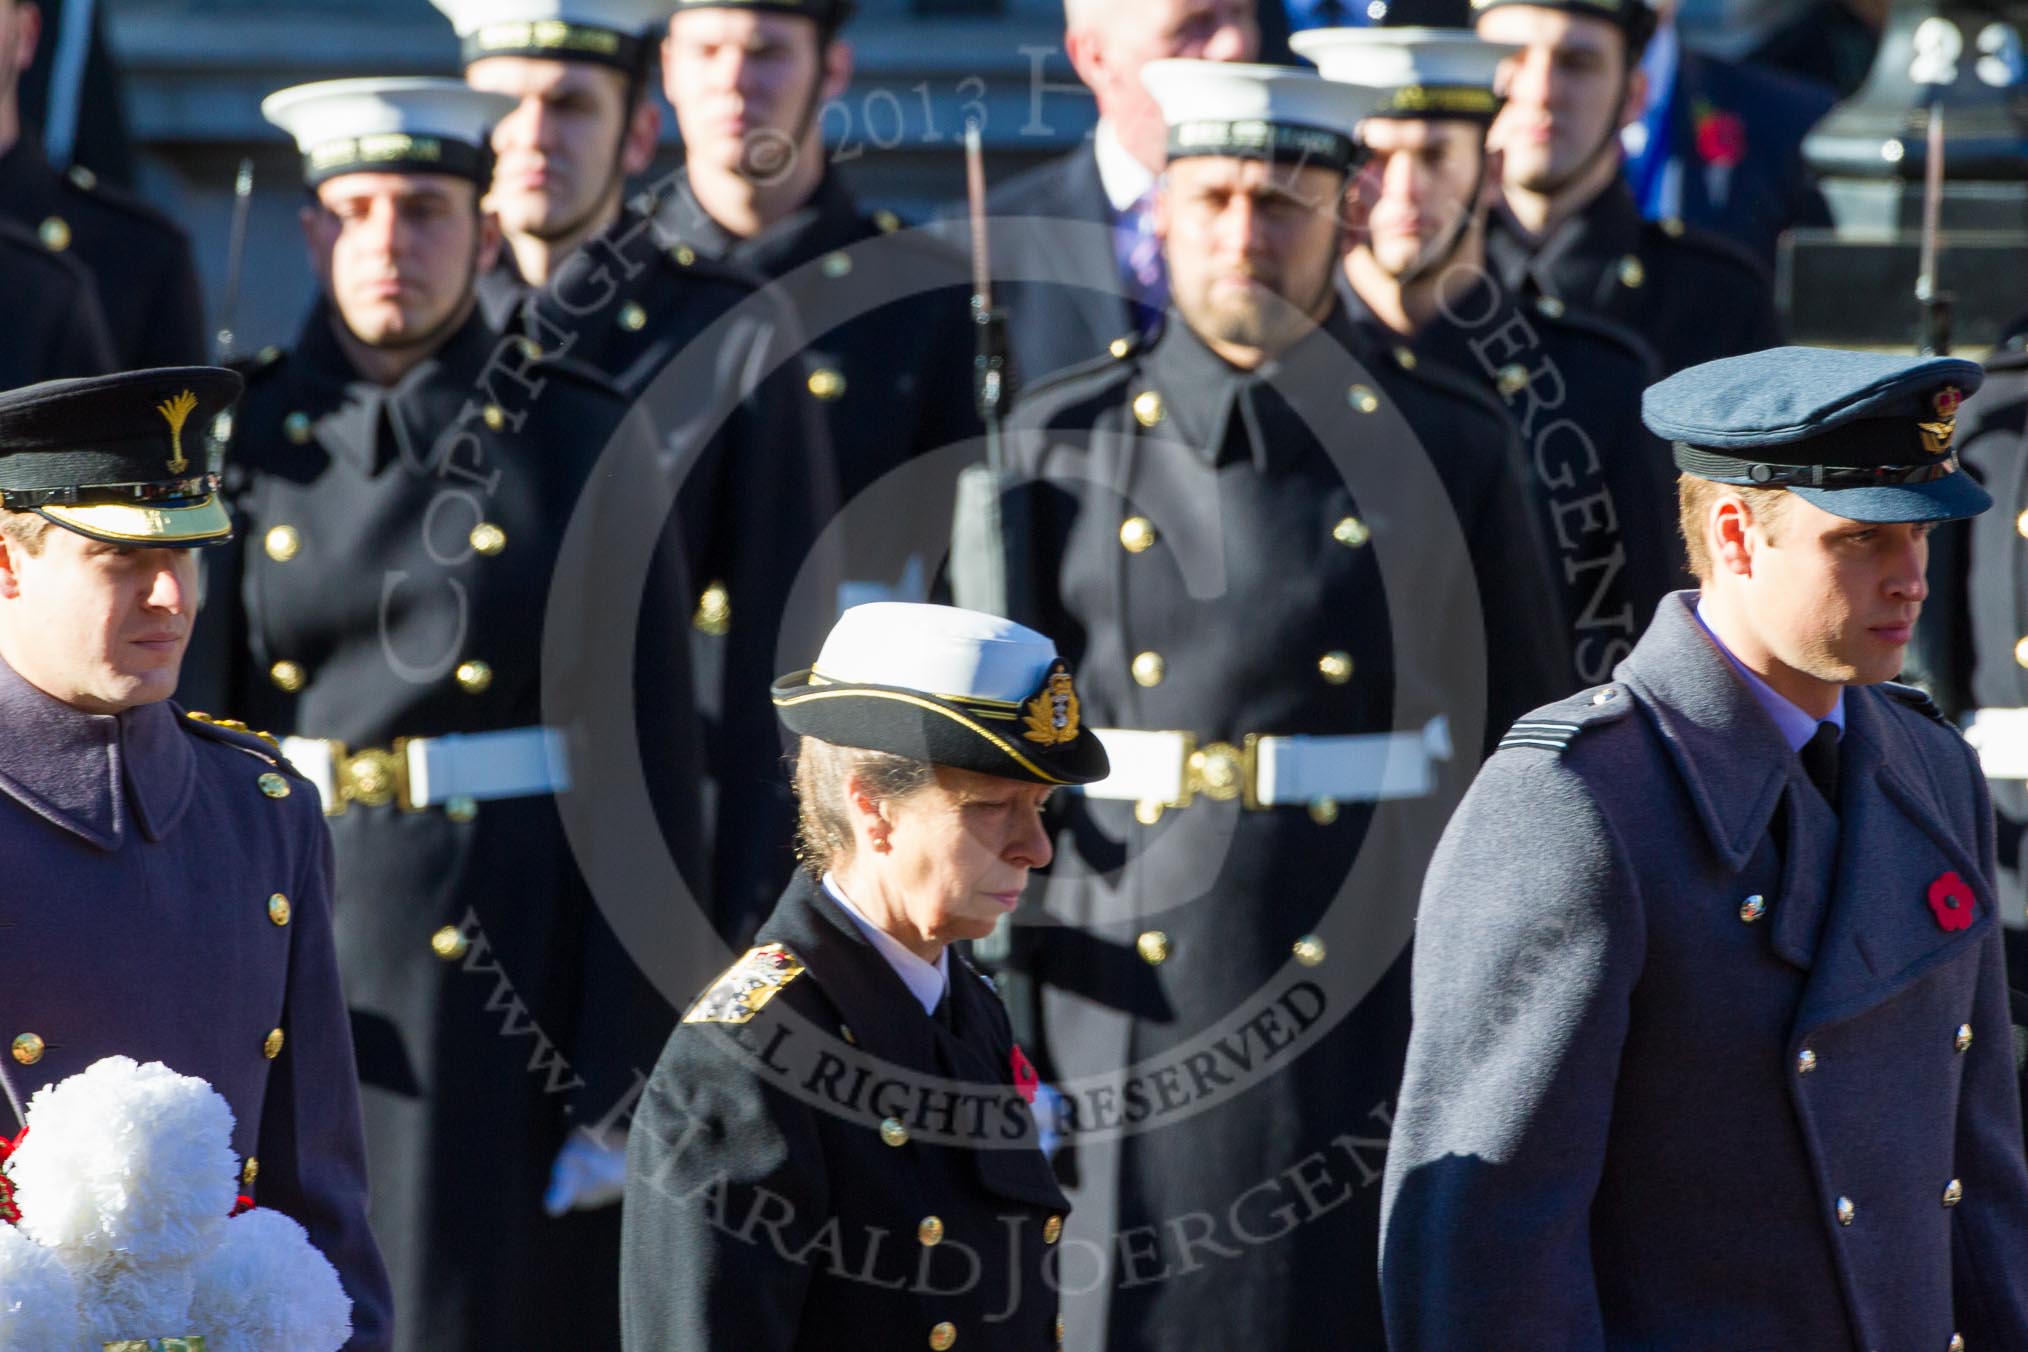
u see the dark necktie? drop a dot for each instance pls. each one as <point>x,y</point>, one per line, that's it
<point>1820,759</point>
<point>942,1014</point>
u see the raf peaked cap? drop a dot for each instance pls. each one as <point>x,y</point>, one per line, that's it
<point>1863,435</point>
<point>1243,111</point>
<point>395,125</point>
<point>617,33</point>
<point>952,687</point>
<point>119,458</point>
<point>1447,73</point>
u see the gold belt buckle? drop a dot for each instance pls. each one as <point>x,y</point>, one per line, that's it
<point>1219,771</point>
<point>370,777</point>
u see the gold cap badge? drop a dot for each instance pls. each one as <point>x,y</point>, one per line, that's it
<point>1936,436</point>
<point>176,412</point>
<point>1051,717</point>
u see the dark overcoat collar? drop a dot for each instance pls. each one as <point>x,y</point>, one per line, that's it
<point>372,425</point>
<point>92,773</point>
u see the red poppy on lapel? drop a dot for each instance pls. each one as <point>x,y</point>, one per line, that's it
<point>1025,1078</point>
<point>1950,897</point>
<point>1721,137</point>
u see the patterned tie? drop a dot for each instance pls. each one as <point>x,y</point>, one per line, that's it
<point>1147,279</point>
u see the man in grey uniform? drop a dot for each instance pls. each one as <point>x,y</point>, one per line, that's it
<point>1711,1044</point>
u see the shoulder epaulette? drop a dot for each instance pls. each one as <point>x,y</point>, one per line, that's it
<point>1448,380</point>
<point>745,987</point>
<point>1918,699</point>
<point>85,183</point>
<point>1096,372</point>
<point>234,733</point>
<point>1554,727</point>
<point>1676,234</point>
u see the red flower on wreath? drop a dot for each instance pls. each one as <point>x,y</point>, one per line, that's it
<point>1025,1078</point>
<point>1950,897</point>
<point>9,1212</point>
<point>1721,137</point>
<point>241,1205</point>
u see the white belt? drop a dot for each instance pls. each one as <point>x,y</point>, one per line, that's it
<point>1169,769</point>
<point>2000,736</point>
<point>426,772</point>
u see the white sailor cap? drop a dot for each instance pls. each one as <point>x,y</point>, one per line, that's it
<point>616,33</point>
<point>948,686</point>
<point>412,125</point>
<point>1419,72</point>
<point>1234,109</point>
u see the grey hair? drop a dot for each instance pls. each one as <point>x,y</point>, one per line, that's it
<point>823,807</point>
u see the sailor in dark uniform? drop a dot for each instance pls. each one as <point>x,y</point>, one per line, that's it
<point>1268,543</point>
<point>852,1087</point>
<point>54,325</point>
<point>1569,227</point>
<point>167,894</point>
<point>402,477</point>
<point>710,358</point>
<point>894,380</point>
<point>1571,381</point>
<point>140,258</point>
<point>1711,1031</point>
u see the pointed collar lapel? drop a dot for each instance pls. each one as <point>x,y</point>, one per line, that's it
<point>876,1004</point>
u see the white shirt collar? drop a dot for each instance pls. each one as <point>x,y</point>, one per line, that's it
<point>925,981</point>
<point>1125,178</point>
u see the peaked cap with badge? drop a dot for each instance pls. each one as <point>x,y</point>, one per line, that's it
<point>119,458</point>
<point>1246,111</point>
<point>1446,73</point>
<point>400,125</point>
<point>1866,436</point>
<point>622,34</point>
<point>952,687</point>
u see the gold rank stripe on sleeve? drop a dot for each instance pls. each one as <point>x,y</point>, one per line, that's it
<point>747,986</point>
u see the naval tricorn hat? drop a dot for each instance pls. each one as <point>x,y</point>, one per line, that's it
<point>1863,435</point>
<point>616,33</point>
<point>119,458</point>
<point>952,687</point>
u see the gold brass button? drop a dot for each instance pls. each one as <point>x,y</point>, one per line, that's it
<point>296,427</point>
<point>1549,306</point>
<point>83,177</point>
<point>892,1132</point>
<point>887,221</point>
<point>475,677</point>
<point>278,910</point>
<point>684,255</point>
<point>284,543</point>
<point>1847,1212</point>
<point>837,265</point>
<point>1753,908</point>
<point>271,1046</point>
<point>632,317</point>
<point>714,610</point>
<point>28,1049</point>
<point>1148,811</point>
<point>530,349</point>
<point>1148,408</point>
<point>1631,273</point>
<point>2021,525</point>
<point>1052,1230</point>
<point>1137,535</point>
<point>827,384</point>
<point>273,785</point>
<point>289,677</point>
<point>1404,359</point>
<point>1335,667</point>
<point>846,1033</point>
<point>1672,226</point>
<point>1964,1038</point>
<point>1149,669</point>
<point>1957,1343</point>
<point>943,1337</point>
<point>450,943</point>
<point>493,416</point>
<point>1324,811</point>
<point>1120,347</point>
<point>1351,532</point>
<point>1059,1331</point>
<point>1153,947</point>
<point>1511,379</point>
<point>461,809</point>
<point>54,234</point>
<point>488,539</point>
<point>930,1232</point>
<point>1363,398</point>
<point>2021,652</point>
<point>250,1171</point>
<point>1806,1061</point>
<point>1954,1192</point>
<point>1310,951</point>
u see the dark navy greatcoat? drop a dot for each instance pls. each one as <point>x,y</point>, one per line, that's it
<point>805,1178</point>
<point>147,280</point>
<point>1697,1063</point>
<point>1207,566</point>
<point>1692,295</point>
<point>365,603</point>
<point>55,328</point>
<point>1605,485</point>
<point>167,897</point>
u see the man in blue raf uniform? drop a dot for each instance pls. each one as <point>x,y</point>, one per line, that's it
<point>1293,567</point>
<point>1711,1043</point>
<point>1570,228</point>
<point>1571,381</point>
<point>403,477</point>
<point>167,894</point>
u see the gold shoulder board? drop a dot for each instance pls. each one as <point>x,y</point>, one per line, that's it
<point>746,986</point>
